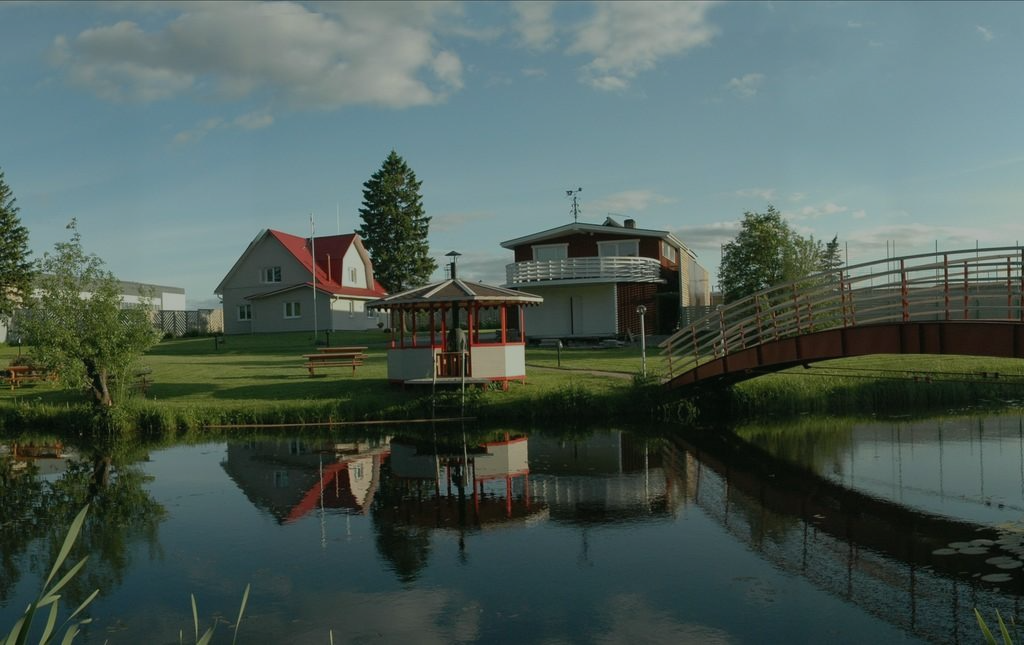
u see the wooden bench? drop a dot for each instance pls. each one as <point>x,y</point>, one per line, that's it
<point>17,375</point>
<point>351,359</point>
<point>142,378</point>
<point>341,350</point>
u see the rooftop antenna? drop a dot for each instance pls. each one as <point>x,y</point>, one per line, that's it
<point>575,203</point>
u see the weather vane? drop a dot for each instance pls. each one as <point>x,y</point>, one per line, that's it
<point>575,203</point>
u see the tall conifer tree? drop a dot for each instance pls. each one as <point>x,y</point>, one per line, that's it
<point>394,228</point>
<point>16,269</point>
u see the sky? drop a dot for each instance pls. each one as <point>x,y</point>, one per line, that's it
<point>174,133</point>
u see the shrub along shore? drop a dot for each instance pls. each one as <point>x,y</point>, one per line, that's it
<point>240,381</point>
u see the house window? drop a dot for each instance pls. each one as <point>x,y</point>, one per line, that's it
<point>544,252</point>
<point>619,248</point>
<point>271,274</point>
<point>293,310</point>
<point>668,251</point>
<point>351,308</point>
<point>245,312</point>
<point>352,275</point>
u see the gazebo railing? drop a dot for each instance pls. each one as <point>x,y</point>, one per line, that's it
<point>971,284</point>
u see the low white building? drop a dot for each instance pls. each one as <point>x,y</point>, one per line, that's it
<point>160,298</point>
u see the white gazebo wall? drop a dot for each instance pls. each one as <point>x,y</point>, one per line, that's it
<point>498,361</point>
<point>409,363</point>
<point>486,361</point>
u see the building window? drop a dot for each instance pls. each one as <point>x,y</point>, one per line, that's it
<point>293,310</point>
<point>351,308</point>
<point>544,252</point>
<point>353,276</point>
<point>619,249</point>
<point>668,251</point>
<point>271,274</point>
<point>245,312</point>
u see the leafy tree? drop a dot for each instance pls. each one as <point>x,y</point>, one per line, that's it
<point>77,326</point>
<point>395,228</point>
<point>830,259</point>
<point>766,252</point>
<point>15,267</point>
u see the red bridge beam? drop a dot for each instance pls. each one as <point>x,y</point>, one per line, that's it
<point>957,337</point>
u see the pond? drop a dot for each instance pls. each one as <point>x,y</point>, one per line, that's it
<point>828,530</point>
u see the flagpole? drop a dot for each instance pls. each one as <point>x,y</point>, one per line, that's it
<point>312,247</point>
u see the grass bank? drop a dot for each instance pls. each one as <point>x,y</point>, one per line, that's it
<point>197,382</point>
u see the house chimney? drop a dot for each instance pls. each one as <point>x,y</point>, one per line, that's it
<point>630,223</point>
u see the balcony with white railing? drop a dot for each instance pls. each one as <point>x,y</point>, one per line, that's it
<point>591,269</point>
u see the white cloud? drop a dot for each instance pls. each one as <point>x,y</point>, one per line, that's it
<point>448,69</point>
<point>767,194</point>
<point>455,221</point>
<point>910,238</point>
<point>986,33</point>
<point>708,239</point>
<point>853,24</point>
<point>534,24</point>
<point>746,86</point>
<point>859,214</point>
<point>248,121</point>
<point>534,72</point>
<point>254,120</point>
<point>628,201</point>
<point>626,38</point>
<point>199,132</point>
<point>632,619</point>
<point>345,54</point>
<point>820,210</point>
<point>797,197</point>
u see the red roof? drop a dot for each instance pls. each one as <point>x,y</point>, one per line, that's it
<point>330,251</point>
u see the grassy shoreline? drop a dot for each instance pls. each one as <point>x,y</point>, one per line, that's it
<point>198,383</point>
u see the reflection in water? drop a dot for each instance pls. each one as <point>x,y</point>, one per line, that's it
<point>293,478</point>
<point>904,528</point>
<point>834,508</point>
<point>43,486</point>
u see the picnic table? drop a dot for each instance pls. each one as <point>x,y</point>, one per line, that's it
<point>335,357</point>
<point>17,375</point>
<point>341,350</point>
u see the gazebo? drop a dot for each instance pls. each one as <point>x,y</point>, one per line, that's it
<point>456,331</point>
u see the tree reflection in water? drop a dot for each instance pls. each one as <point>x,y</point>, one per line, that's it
<point>38,508</point>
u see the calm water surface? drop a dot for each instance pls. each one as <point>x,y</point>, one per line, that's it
<point>825,531</point>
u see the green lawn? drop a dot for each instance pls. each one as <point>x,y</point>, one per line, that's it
<point>253,371</point>
<point>262,377</point>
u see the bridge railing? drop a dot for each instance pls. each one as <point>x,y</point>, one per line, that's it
<point>969,284</point>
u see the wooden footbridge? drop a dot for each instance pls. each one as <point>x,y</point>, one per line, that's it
<point>964,302</point>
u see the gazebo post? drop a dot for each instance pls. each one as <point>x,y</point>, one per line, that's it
<point>504,323</point>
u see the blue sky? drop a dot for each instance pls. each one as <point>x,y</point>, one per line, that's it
<point>174,133</point>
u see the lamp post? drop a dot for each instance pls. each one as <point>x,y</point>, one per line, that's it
<point>643,341</point>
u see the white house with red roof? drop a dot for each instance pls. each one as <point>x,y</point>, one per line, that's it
<point>277,285</point>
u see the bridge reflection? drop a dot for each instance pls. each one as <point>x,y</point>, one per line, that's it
<point>894,562</point>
